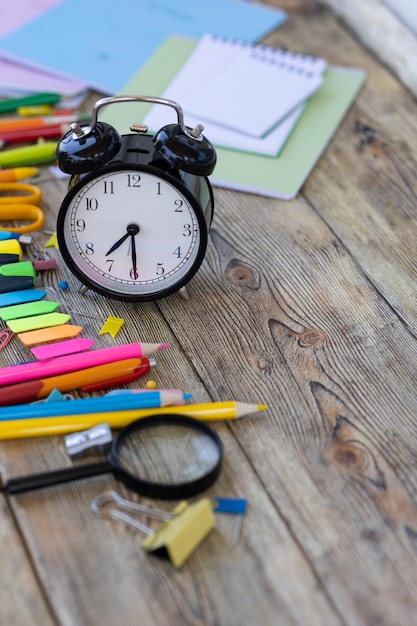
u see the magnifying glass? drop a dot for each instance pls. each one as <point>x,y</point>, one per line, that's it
<point>170,456</point>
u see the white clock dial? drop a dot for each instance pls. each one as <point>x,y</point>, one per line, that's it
<point>131,233</point>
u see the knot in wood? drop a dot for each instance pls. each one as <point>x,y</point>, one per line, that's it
<point>311,338</point>
<point>348,456</point>
<point>263,364</point>
<point>240,274</point>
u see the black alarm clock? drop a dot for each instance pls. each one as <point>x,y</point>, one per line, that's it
<point>134,223</point>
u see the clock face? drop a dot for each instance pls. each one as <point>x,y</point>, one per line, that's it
<point>131,234</point>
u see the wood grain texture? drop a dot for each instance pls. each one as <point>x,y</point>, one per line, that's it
<point>305,305</point>
<point>383,32</point>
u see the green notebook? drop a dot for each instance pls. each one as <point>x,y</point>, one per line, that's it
<point>281,176</point>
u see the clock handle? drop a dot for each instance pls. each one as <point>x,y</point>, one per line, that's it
<point>182,147</point>
<point>87,148</point>
<point>194,134</point>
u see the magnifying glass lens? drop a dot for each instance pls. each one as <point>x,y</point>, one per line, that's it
<point>168,454</point>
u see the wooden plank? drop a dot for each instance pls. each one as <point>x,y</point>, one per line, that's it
<point>288,308</point>
<point>364,186</point>
<point>21,596</point>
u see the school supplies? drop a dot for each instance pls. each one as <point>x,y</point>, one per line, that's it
<point>259,95</point>
<point>29,155</point>
<point>5,336</point>
<point>179,457</point>
<point>96,440</point>
<point>6,235</point>
<point>112,326</point>
<point>102,376</point>
<point>120,378</point>
<point>40,307</point>
<point>15,207</point>
<point>20,297</point>
<point>37,321</point>
<point>85,406</point>
<point>42,426</point>
<point>71,363</point>
<point>108,62</point>
<point>19,268</point>
<point>233,506</point>
<point>19,173</point>
<point>15,283</point>
<point>11,246</point>
<point>33,134</point>
<point>12,104</point>
<point>15,124</point>
<point>61,348</point>
<point>179,534</point>
<point>43,335</point>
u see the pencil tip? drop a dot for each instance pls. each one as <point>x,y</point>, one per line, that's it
<point>262,407</point>
<point>163,345</point>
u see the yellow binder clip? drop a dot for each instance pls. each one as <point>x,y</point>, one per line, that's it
<point>179,537</point>
<point>180,532</point>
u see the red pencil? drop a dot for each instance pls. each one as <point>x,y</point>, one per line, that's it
<point>33,134</point>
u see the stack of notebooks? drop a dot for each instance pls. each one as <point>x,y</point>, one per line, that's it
<point>247,97</point>
<point>269,112</point>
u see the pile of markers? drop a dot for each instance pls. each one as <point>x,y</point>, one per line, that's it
<point>37,122</point>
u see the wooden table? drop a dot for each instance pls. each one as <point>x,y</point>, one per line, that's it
<point>307,305</point>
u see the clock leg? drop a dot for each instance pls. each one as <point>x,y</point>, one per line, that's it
<point>184,293</point>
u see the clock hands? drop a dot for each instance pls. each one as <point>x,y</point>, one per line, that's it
<point>131,231</point>
<point>134,268</point>
<point>119,243</point>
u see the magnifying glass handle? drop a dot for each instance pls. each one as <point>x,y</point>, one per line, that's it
<point>48,479</point>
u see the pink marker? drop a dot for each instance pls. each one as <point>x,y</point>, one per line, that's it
<point>74,362</point>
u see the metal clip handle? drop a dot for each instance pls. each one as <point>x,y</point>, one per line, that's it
<point>193,134</point>
<point>100,509</point>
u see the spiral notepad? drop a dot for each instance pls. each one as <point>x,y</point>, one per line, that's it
<point>251,92</point>
<point>240,91</point>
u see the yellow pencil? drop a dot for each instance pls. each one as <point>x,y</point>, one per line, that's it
<point>45,426</point>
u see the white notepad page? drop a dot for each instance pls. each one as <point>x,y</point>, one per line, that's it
<point>251,93</point>
<point>210,55</point>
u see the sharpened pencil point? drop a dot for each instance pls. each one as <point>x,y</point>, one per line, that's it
<point>163,345</point>
<point>262,407</point>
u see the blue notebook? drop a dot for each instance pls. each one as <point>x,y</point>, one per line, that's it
<point>105,43</point>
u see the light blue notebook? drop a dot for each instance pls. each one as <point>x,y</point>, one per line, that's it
<point>106,42</point>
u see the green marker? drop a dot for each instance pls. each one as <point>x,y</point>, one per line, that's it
<point>29,155</point>
<point>12,104</point>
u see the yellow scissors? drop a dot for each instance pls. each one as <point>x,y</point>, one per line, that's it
<point>15,207</point>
